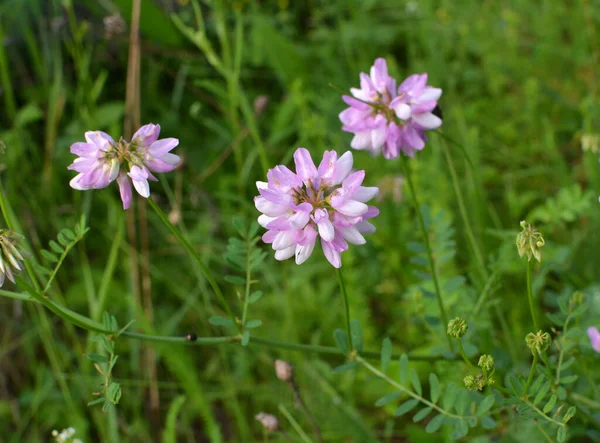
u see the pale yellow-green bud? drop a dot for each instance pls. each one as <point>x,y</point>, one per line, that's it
<point>577,298</point>
<point>486,362</point>
<point>470,382</point>
<point>529,242</point>
<point>538,343</point>
<point>457,328</point>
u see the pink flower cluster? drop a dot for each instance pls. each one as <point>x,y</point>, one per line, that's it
<point>389,120</point>
<point>326,202</point>
<point>101,160</point>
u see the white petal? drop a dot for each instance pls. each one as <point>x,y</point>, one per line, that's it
<point>269,208</point>
<point>142,187</point>
<point>299,219</point>
<point>284,254</point>
<point>427,120</point>
<point>343,166</point>
<point>264,220</point>
<point>378,137</point>
<point>351,235</point>
<point>430,94</point>
<point>283,240</point>
<point>403,111</point>
<point>365,193</point>
<point>326,230</point>
<point>352,208</point>
<point>361,140</point>
<point>171,159</point>
<point>303,252</point>
<point>365,227</point>
<point>262,185</point>
<point>75,185</point>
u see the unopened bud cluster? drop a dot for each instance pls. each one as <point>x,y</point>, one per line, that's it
<point>268,421</point>
<point>530,242</point>
<point>65,436</point>
<point>457,328</point>
<point>284,370</point>
<point>485,378</point>
<point>538,343</point>
<point>11,256</point>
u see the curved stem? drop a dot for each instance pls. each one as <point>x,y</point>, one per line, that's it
<point>438,291</point>
<point>530,378</point>
<point>347,306</point>
<point>462,209</point>
<point>192,252</point>
<point>94,326</point>
<point>401,388</point>
<point>530,296</point>
<point>464,355</point>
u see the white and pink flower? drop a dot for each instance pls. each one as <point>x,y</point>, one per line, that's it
<point>327,202</point>
<point>388,120</point>
<point>101,160</point>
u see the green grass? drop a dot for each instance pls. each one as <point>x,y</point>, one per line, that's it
<point>521,89</point>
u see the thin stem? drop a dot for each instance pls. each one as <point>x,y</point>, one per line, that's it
<point>300,401</point>
<point>530,296</point>
<point>347,306</point>
<point>305,438</point>
<point>401,388</point>
<point>464,355</point>
<point>438,291</point>
<point>540,412</point>
<point>248,279</point>
<point>531,374</point>
<point>94,326</point>
<point>462,208</point>
<point>192,252</point>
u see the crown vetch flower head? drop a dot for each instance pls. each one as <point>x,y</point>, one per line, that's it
<point>101,160</point>
<point>389,120</point>
<point>594,336</point>
<point>326,202</point>
<point>11,255</point>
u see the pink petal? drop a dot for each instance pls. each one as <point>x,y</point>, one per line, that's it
<point>124,189</point>
<point>305,167</point>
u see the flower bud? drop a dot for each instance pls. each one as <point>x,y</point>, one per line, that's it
<point>577,298</point>
<point>269,422</point>
<point>457,328</point>
<point>486,362</point>
<point>283,370</point>
<point>529,242</point>
<point>11,255</point>
<point>538,343</point>
<point>470,382</point>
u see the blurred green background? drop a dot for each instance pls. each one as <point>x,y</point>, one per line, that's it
<point>521,98</point>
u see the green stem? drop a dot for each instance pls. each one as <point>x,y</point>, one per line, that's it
<point>530,296</point>
<point>462,209</point>
<point>247,289</point>
<point>192,252</point>
<point>94,326</point>
<point>401,388</point>
<point>531,374</point>
<point>438,291</point>
<point>347,306</point>
<point>464,355</point>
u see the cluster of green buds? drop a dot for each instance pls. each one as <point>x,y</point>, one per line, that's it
<point>457,328</point>
<point>530,242</point>
<point>485,378</point>
<point>538,343</point>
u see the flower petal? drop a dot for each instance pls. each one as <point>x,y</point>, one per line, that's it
<point>305,167</point>
<point>427,120</point>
